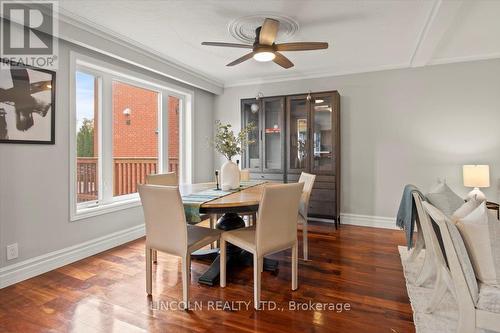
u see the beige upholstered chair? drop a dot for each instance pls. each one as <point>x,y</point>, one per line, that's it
<point>477,304</point>
<point>167,231</point>
<point>275,230</point>
<point>163,179</point>
<point>308,181</point>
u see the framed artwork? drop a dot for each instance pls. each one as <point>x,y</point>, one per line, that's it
<point>27,104</point>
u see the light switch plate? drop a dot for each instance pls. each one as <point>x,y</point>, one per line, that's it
<point>12,251</point>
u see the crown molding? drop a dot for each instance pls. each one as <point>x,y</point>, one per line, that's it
<point>313,75</point>
<point>335,73</point>
<point>172,68</point>
<point>454,60</point>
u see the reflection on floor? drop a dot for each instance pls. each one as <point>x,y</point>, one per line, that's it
<point>355,267</point>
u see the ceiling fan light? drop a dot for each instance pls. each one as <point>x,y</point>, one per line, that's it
<point>264,56</point>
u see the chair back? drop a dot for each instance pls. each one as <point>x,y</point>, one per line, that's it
<point>278,212</point>
<point>166,228</point>
<point>164,179</point>
<point>459,266</point>
<point>308,180</point>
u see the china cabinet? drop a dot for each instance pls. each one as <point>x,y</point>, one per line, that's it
<point>294,134</point>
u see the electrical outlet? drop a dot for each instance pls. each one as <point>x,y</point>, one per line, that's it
<point>12,251</point>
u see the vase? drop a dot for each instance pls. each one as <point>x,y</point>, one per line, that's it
<point>230,176</point>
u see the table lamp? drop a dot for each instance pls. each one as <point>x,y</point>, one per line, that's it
<point>476,176</point>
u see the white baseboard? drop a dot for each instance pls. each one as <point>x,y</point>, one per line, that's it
<point>368,221</point>
<point>35,266</point>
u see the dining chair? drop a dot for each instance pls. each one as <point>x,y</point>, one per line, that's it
<point>308,181</point>
<point>275,230</point>
<point>163,179</point>
<point>167,231</point>
<point>171,179</point>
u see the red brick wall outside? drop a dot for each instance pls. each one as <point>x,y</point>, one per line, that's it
<point>139,138</point>
<point>173,127</point>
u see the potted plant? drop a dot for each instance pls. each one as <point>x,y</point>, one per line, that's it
<point>229,145</point>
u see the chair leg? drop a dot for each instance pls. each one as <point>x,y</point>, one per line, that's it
<point>155,256</point>
<point>305,243</point>
<point>186,279</point>
<point>149,274</point>
<point>295,261</point>
<point>257,263</point>
<point>222,263</point>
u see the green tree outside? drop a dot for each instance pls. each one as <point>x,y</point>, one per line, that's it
<point>85,139</point>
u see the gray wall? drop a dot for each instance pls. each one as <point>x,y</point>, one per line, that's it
<point>34,179</point>
<point>403,126</point>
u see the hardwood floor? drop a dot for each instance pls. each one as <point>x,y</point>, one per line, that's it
<point>106,293</point>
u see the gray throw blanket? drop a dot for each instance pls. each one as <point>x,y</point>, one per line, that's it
<point>407,213</point>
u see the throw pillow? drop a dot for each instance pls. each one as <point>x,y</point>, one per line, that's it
<point>465,210</point>
<point>481,233</point>
<point>443,198</point>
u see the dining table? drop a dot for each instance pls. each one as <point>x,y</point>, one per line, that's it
<point>225,213</point>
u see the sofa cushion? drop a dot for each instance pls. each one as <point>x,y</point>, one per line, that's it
<point>443,198</point>
<point>480,231</point>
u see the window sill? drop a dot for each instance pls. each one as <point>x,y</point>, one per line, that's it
<point>87,212</point>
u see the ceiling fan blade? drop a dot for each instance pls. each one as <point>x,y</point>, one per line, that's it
<point>282,60</point>
<point>301,46</point>
<point>241,59</point>
<point>268,31</point>
<point>243,46</point>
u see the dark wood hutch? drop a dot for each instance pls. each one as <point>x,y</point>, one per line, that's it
<point>296,133</point>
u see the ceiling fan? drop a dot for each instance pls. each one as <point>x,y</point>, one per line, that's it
<point>264,48</point>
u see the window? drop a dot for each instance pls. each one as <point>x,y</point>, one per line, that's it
<point>135,136</point>
<point>87,144</point>
<point>125,127</point>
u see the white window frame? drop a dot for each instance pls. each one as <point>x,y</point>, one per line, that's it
<point>106,74</point>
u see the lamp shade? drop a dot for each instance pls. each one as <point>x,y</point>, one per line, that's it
<point>476,175</point>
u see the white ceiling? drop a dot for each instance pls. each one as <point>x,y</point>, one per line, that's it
<point>363,35</point>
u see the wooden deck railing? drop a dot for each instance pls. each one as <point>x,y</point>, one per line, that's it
<point>128,172</point>
<point>86,179</point>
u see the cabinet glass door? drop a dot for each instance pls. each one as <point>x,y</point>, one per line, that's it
<point>273,112</point>
<point>323,133</point>
<point>251,114</point>
<point>298,133</point>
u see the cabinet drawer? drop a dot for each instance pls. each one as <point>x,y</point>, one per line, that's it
<point>323,195</point>
<point>267,176</point>
<point>319,178</point>
<point>321,209</point>
<point>324,185</point>
<point>323,178</point>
